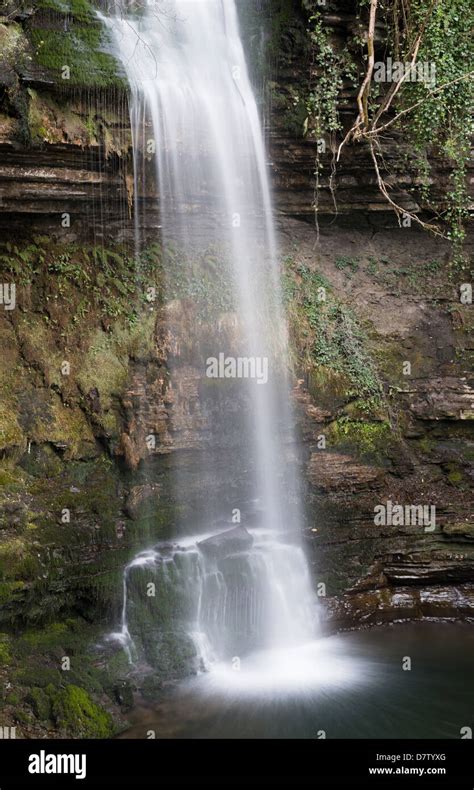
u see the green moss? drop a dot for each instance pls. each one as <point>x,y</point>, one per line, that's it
<point>44,418</point>
<point>79,48</point>
<point>46,637</point>
<point>17,560</point>
<point>106,368</point>
<point>10,432</point>
<point>328,387</point>
<point>5,655</point>
<point>87,677</point>
<point>426,445</point>
<point>40,702</point>
<point>369,439</point>
<point>40,677</point>
<point>51,121</point>
<point>8,591</point>
<point>455,474</point>
<point>43,462</point>
<point>459,530</point>
<point>170,652</point>
<point>90,284</point>
<point>23,717</point>
<point>74,711</point>
<point>8,476</point>
<point>81,10</point>
<point>118,664</point>
<point>366,409</point>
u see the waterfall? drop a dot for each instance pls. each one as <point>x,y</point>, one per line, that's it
<point>197,139</point>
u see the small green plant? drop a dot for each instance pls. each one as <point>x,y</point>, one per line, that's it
<point>372,266</point>
<point>22,262</point>
<point>347,263</point>
<point>327,332</point>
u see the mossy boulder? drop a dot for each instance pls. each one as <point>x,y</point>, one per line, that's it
<point>74,712</point>
<point>171,652</point>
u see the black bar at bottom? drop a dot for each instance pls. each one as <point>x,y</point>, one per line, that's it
<point>232,763</point>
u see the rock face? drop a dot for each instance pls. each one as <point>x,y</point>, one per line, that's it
<point>446,398</point>
<point>229,542</point>
<point>140,498</point>
<point>103,443</point>
<point>326,470</point>
<point>406,603</point>
<point>64,138</point>
<point>65,144</point>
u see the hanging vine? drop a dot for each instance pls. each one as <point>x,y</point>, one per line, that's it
<point>328,71</point>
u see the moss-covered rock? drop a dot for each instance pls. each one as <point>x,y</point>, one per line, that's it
<point>463,530</point>
<point>75,54</point>
<point>39,677</point>
<point>368,440</point>
<point>50,122</point>
<point>40,701</point>
<point>61,499</point>
<point>17,560</point>
<point>75,713</point>
<point>82,701</point>
<point>328,387</point>
<point>170,652</point>
<point>455,474</point>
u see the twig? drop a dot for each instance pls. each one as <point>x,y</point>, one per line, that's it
<point>398,209</point>
<point>378,129</point>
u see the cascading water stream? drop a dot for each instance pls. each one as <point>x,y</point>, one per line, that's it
<point>193,108</point>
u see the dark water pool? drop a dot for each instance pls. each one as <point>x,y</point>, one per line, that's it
<point>351,685</point>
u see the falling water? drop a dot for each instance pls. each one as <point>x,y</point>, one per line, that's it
<point>193,114</point>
